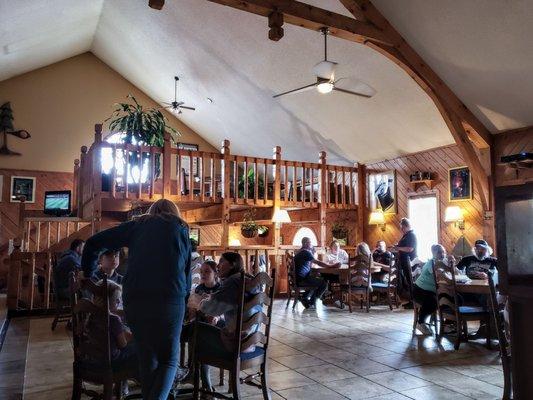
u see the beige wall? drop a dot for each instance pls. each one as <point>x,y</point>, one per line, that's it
<point>59,105</point>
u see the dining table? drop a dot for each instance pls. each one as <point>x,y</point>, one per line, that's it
<point>343,271</point>
<point>476,286</point>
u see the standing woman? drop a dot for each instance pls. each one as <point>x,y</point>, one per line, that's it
<point>154,288</point>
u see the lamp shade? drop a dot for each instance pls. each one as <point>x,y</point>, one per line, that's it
<point>281,217</point>
<point>453,214</point>
<point>234,242</point>
<point>376,218</point>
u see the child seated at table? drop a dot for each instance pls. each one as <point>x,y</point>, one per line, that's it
<point>108,263</point>
<point>122,349</point>
<point>209,283</point>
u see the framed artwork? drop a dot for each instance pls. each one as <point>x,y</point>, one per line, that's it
<point>22,186</point>
<point>459,184</point>
<point>382,191</point>
<point>191,147</point>
<point>1,187</point>
<point>194,233</point>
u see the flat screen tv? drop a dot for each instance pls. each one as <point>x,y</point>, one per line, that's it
<point>57,202</point>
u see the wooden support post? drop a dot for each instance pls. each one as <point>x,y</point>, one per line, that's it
<point>97,177</point>
<point>166,167</point>
<point>323,198</point>
<point>13,287</point>
<point>81,182</point>
<point>226,201</point>
<point>277,193</point>
<point>361,203</point>
<point>75,186</point>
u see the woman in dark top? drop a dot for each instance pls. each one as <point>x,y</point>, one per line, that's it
<point>154,288</point>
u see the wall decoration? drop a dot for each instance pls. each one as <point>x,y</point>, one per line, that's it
<point>194,234</point>
<point>22,186</point>
<point>1,187</point>
<point>459,184</point>
<point>6,126</point>
<point>382,191</point>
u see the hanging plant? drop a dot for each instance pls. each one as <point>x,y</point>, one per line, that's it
<point>141,127</point>
<point>339,230</point>
<point>249,227</point>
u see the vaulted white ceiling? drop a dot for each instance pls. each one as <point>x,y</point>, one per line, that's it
<point>481,48</point>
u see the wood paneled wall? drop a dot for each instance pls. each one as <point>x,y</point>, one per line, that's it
<point>509,143</point>
<point>9,212</point>
<point>437,161</point>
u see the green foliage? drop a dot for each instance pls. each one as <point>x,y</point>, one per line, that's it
<point>6,117</point>
<point>148,127</point>
<point>250,176</point>
<point>339,230</point>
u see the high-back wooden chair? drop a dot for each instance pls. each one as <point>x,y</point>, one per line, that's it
<point>502,332</point>
<point>92,363</point>
<point>61,304</point>
<point>450,308</point>
<point>359,283</point>
<point>256,298</point>
<point>389,288</point>
<point>295,289</point>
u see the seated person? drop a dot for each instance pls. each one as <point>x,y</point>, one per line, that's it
<point>480,262</point>
<point>69,261</point>
<point>302,264</point>
<point>382,257</point>
<point>334,256</point>
<point>123,351</point>
<point>363,260</point>
<point>108,263</point>
<point>216,341</point>
<point>424,290</point>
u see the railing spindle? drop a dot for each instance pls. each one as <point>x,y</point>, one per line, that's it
<point>114,171</point>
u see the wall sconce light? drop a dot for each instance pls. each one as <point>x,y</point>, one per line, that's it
<point>234,242</point>
<point>281,217</point>
<point>455,214</point>
<point>377,218</point>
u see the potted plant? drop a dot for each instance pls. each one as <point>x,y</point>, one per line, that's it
<point>340,231</point>
<point>249,227</point>
<point>141,126</point>
<point>250,177</point>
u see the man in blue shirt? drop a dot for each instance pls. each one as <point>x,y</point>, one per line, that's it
<point>303,260</point>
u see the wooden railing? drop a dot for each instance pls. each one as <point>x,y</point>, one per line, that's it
<point>147,173</point>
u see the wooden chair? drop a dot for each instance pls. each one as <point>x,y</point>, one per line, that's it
<point>93,364</point>
<point>254,313</point>
<point>502,332</point>
<point>61,304</point>
<point>359,271</point>
<point>389,288</point>
<point>450,308</point>
<point>417,306</point>
<point>295,290</point>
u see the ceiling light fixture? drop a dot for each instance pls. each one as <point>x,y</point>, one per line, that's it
<point>325,87</point>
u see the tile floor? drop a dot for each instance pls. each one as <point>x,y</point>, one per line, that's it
<point>324,354</point>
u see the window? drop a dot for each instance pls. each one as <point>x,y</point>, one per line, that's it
<point>134,172</point>
<point>304,232</point>
<point>423,214</point>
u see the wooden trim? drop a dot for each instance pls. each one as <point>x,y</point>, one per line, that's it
<point>310,17</point>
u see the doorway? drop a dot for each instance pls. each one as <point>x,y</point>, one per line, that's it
<point>424,216</point>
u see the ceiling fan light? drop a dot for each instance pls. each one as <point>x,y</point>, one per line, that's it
<point>324,87</point>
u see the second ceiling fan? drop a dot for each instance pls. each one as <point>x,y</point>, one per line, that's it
<point>325,78</point>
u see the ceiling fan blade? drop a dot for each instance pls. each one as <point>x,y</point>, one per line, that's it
<point>187,108</point>
<point>325,69</point>
<point>164,102</point>
<point>300,89</point>
<point>355,85</point>
<point>353,93</point>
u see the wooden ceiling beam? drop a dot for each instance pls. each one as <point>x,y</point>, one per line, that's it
<point>420,70</point>
<point>311,17</point>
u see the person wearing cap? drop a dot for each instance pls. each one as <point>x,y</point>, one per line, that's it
<point>108,263</point>
<point>478,265</point>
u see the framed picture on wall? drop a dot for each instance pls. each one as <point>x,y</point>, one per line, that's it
<point>22,186</point>
<point>459,184</point>
<point>1,187</point>
<point>382,191</point>
<point>194,234</point>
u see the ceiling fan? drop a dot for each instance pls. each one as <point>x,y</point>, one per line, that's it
<point>177,105</point>
<point>325,78</point>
